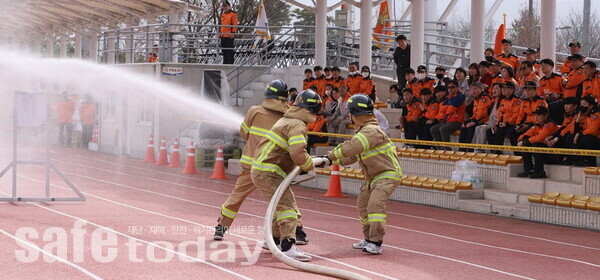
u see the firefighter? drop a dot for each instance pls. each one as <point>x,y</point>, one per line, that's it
<point>377,157</point>
<point>258,120</point>
<point>280,150</point>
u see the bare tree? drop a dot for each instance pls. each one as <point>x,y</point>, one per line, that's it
<point>525,29</point>
<point>570,29</point>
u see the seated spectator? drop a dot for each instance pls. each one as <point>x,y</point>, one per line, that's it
<point>525,118</point>
<point>506,115</point>
<point>486,76</point>
<point>530,55</point>
<point>587,130</point>
<point>460,75</point>
<point>479,137</point>
<point>332,102</point>
<point>454,114</point>
<point>481,114</point>
<point>327,97</point>
<point>440,75</point>
<point>317,126</point>
<point>338,122</point>
<point>412,82</point>
<point>395,91</point>
<point>551,89</point>
<point>414,109</point>
<point>367,85</point>
<point>309,80</point>
<point>508,75</point>
<point>430,107</point>
<point>591,85</point>
<point>293,93</point>
<point>337,80</point>
<point>533,163</point>
<point>382,121</point>
<point>575,78</point>
<point>496,72</point>
<point>423,79</point>
<point>564,136</point>
<point>528,75</point>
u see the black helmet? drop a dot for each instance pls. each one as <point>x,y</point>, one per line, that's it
<point>277,89</point>
<point>309,100</point>
<point>360,104</point>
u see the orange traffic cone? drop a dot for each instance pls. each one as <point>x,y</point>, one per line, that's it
<point>150,150</point>
<point>190,161</point>
<point>162,153</point>
<point>219,171</point>
<point>335,183</point>
<point>175,158</point>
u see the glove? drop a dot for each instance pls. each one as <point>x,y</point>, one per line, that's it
<point>326,161</point>
<point>303,172</point>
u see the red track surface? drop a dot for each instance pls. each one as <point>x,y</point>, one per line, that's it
<point>421,242</point>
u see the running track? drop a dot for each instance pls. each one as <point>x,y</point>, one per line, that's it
<point>421,242</point>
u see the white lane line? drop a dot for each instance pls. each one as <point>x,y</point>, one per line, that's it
<point>205,226</point>
<point>390,226</point>
<point>327,232</point>
<point>342,204</point>
<point>34,246</point>
<point>140,240</point>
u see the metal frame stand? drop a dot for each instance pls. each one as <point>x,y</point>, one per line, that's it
<point>46,162</point>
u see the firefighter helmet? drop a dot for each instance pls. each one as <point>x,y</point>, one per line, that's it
<point>360,104</point>
<point>276,89</point>
<point>309,100</point>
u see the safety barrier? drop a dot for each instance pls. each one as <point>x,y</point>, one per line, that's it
<point>591,178</point>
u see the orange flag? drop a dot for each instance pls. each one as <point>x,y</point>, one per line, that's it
<point>500,35</point>
<point>384,14</point>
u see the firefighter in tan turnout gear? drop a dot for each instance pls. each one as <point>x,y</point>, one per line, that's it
<point>280,150</point>
<point>376,155</point>
<point>256,124</point>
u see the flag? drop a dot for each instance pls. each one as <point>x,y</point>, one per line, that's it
<point>500,35</point>
<point>262,25</point>
<point>384,14</point>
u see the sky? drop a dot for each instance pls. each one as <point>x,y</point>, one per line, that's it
<point>463,8</point>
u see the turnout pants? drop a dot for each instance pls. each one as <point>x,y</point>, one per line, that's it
<point>285,219</point>
<point>243,187</point>
<point>371,208</point>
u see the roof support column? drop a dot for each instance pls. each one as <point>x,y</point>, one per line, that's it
<point>321,34</point>
<point>49,45</point>
<point>417,33</point>
<point>110,49</point>
<point>548,30</point>
<point>63,44</point>
<point>366,33</point>
<point>477,30</point>
<point>36,46</point>
<point>93,53</point>
<point>77,45</point>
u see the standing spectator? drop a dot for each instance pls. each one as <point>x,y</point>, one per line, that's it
<point>530,55</point>
<point>440,75</point>
<point>153,56</point>
<point>367,85</point>
<point>489,54</point>
<point>506,115</point>
<point>430,108</point>
<point>319,80</point>
<point>507,57</point>
<point>228,17</point>
<point>454,114</point>
<point>573,83</point>
<point>337,79</point>
<point>354,79</point>
<point>533,163</point>
<point>551,89</point>
<point>338,122</point>
<point>588,130</point>
<point>481,114</point>
<point>575,48</point>
<point>402,59</point>
<point>479,137</point>
<point>414,109</point>
<point>412,82</point>
<point>66,109</point>
<point>87,115</point>
<point>309,80</point>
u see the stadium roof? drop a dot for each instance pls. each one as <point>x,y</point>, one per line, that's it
<point>41,16</point>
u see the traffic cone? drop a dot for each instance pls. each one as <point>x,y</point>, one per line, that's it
<point>150,150</point>
<point>162,153</point>
<point>93,144</point>
<point>190,161</point>
<point>219,171</point>
<point>335,183</point>
<point>175,158</point>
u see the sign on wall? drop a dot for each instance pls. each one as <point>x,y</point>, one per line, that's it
<point>172,71</point>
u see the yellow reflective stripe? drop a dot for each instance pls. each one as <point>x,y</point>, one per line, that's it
<point>265,152</point>
<point>306,164</point>
<point>362,105</point>
<point>286,214</point>
<point>228,213</point>
<point>258,131</point>
<point>363,141</point>
<point>273,89</point>
<point>269,167</point>
<point>298,139</point>
<point>246,159</point>
<point>378,150</point>
<point>363,221</point>
<point>377,217</point>
<point>337,152</point>
<point>393,175</point>
<point>245,127</point>
<point>277,140</point>
<point>394,157</point>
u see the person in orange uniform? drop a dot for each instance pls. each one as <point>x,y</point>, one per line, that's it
<point>591,83</point>
<point>309,80</point>
<point>319,81</point>
<point>412,82</point>
<point>414,108</point>
<point>574,80</point>
<point>509,106</point>
<point>228,17</point>
<point>367,85</point>
<point>550,85</point>
<point>337,80</point>
<point>575,48</point>
<point>588,130</point>
<point>507,57</point>
<point>525,118</point>
<point>454,114</point>
<point>87,115</point>
<point>495,71</point>
<point>65,120</point>
<point>430,108</point>
<point>424,80</point>
<point>481,113</point>
<point>530,55</point>
<point>354,79</point>
<point>563,137</point>
<point>528,74</point>
<point>533,163</point>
